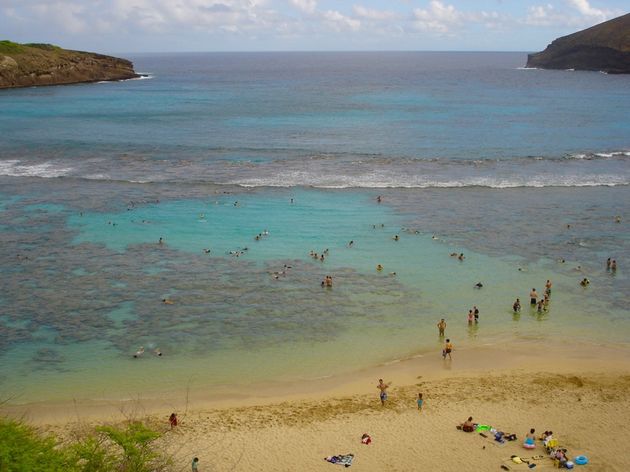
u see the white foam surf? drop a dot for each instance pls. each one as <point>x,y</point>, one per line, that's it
<point>15,168</point>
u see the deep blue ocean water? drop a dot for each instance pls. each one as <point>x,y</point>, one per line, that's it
<point>519,169</point>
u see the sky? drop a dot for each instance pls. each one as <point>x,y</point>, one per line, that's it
<point>133,26</point>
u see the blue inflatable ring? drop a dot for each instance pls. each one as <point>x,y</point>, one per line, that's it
<point>581,460</point>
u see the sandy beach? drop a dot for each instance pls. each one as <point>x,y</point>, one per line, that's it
<point>581,394</point>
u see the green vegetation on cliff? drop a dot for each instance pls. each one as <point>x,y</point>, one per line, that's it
<point>27,65</point>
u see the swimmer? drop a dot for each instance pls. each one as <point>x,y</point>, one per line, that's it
<point>434,237</point>
<point>157,352</point>
<point>351,243</point>
<point>617,219</point>
<point>517,305</point>
<point>396,238</point>
<point>613,265</point>
<point>167,301</point>
<point>585,282</point>
<point>379,199</point>
<point>453,254</point>
<point>139,352</point>
<point>379,267</point>
<point>206,251</point>
<point>461,256</point>
<point>392,274</point>
<point>161,241</point>
<point>291,201</point>
<point>608,263</point>
<point>322,258</point>
<point>478,285</point>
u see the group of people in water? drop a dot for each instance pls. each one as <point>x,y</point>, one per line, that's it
<point>140,352</point>
<point>541,304</point>
<point>328,281</point>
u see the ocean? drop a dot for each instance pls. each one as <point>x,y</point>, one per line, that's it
<point>244,164</point>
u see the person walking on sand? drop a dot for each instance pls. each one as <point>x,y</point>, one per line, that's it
<point>448,348</point>
<point>533,297</point>
<point>420,402</point>
<point>441,327</point>
<point>173,420</point>
<point>382,386</point>
<point>195,464</point>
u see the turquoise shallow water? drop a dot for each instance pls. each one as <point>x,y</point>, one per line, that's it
<point>98,280</point>
<point>515,168</point>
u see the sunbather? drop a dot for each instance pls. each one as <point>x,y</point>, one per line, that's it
<point>468,426</point>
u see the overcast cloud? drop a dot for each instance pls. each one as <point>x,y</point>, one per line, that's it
<point>249,25</point>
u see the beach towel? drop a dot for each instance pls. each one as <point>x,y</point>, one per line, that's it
<point>341,459</point>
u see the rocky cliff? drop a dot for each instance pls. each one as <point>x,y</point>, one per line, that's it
<point>26,65</point>
<point>604,47</point>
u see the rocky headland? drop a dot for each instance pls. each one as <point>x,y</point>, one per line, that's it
<point>27,65</point>
<point>604,47</point>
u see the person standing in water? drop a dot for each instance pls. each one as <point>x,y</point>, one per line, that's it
<point>517,305</point>
<point>441,327</point>
<point>448,348</point>
<point>533,297</point>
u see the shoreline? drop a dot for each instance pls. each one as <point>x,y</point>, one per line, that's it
<point>511,358</point>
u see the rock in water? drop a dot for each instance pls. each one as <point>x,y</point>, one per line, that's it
<point>27,65</point>
<point>604,47</point>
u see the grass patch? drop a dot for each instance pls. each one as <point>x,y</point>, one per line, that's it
<point>127,448</point>
<point>9,47</point>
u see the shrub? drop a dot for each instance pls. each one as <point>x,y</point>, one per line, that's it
<point>23,449</point>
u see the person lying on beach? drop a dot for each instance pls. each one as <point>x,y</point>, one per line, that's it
<point>468,426</point>
<point>501,437</point>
